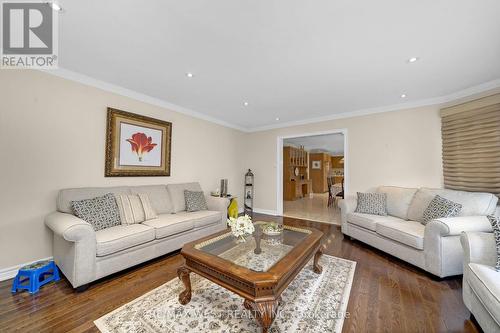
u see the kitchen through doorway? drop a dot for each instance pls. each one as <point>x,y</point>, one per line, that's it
<point>313,176</point>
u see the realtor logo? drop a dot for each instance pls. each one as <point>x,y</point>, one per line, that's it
<point>29,35</point>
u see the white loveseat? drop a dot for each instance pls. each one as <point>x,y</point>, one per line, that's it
<point>85,255</point>
<point>434,247</point>
<point>481,283</point>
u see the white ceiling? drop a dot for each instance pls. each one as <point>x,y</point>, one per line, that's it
<point>291,59</point>
<point>328,143</point>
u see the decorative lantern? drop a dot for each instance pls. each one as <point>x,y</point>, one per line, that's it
<point>248,200</point>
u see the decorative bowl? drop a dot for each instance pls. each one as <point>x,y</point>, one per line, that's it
<point>272,229</point>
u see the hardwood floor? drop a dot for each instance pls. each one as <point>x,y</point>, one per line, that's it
<point>388,295</point>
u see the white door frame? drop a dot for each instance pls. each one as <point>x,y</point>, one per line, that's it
<point>279,164</point>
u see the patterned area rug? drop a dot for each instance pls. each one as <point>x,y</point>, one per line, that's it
<point>311,303</point>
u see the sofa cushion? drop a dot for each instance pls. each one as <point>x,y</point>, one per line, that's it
<point>65,196</point>
<point>202,218</point>
<point>176,192</point>
<point>485,282</point>
<point>398,200</point>
<point>419,204</point>
<point>369,221</point>
<point>170,224</point>
<point>410,233</point>
<point>158,195</point>
<point>121,237</point>
<point>473,203</point>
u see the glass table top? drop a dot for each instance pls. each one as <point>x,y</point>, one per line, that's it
<point>259,252</point>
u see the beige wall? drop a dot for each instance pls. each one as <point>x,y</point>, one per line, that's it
<point>52,134</point>
<point>394,148</point>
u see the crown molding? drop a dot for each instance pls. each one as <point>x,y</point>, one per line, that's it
<point>458,97</point>
<point>109,87</point>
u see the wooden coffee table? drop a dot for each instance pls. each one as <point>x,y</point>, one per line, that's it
<point>258,269</point>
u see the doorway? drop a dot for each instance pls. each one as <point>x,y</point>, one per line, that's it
<point>312,174</point>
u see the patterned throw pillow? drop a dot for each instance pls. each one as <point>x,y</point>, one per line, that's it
<point>440,207</point>
<point>100,212</point>
<point>195,201</point>
<point>495,223</point>
<point>372,203</point>
<point>135,208</point>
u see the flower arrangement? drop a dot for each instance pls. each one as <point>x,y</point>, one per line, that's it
<point>241,226</point>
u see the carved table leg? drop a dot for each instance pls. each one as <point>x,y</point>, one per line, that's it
<point>183,274</point>
<point>317,268</point>
<point>248,305</point>
<point>264,312</point>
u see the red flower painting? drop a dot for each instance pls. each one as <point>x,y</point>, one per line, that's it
<point>141,144</point>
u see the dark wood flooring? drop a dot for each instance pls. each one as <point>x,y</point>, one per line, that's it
<point>388,295</point>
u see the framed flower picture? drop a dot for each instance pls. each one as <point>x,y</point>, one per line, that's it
<point>137,145</point>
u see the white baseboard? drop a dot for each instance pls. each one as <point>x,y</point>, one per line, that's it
<point>10,272</point>
<point>265,211</point>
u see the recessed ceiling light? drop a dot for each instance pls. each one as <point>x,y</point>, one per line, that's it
<point>190,75</point>
<point>412,59</point>
<point>403,95</point>
<point>277,118</point>
<point>55,6</point>
<point>245,103</point>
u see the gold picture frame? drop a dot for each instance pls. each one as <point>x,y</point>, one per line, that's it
<point>137,146</point>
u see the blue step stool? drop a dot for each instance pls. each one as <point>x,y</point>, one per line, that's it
<point>31,277</point>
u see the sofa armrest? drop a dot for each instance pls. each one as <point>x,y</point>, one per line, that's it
<point>218,204</point>
<point>69,227</point>
<point>442,249</point>
<point>479,248</point>
<point>454,226</point>
<point>347,206</point>
<point>74,247</point>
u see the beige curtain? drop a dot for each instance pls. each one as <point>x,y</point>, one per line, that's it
<point>471,145</point>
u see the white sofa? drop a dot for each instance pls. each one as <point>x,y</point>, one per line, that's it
<point>434,247</point>
<point>481,283</point>
<point>85,255</point>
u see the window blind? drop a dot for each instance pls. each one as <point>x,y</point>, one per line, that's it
<point>471,145</point>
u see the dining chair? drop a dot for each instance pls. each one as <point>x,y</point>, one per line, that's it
<point>330,191</point>
<point>340,194</point>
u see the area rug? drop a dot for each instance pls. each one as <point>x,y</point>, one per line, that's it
<point>311,303</point>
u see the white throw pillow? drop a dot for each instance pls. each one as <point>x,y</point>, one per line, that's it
<point>135,208</point>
